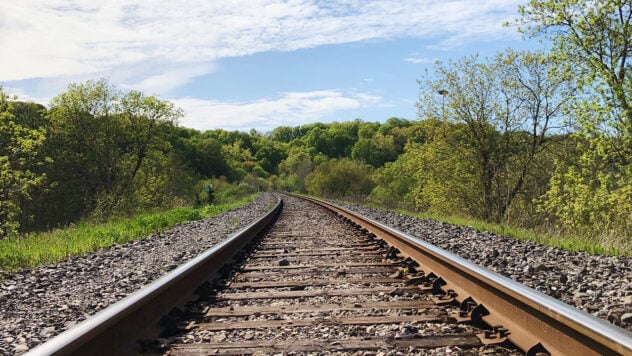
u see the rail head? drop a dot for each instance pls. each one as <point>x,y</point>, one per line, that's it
<point>533,319</point>
<point>119,324</point>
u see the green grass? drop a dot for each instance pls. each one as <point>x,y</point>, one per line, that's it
<point>561,240</point>
<point>35,249</point>
<point>603,244</point>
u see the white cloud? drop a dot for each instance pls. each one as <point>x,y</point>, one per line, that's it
<point>163,78</point>
<point>60,38</point>
<point>290,109</point>
<point>418,60</point>
<point>21,95</point>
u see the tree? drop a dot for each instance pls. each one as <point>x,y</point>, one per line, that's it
<point>395,182</point>
<point>283,134</point>
<point>334,140</point>
<point>294,169</point>
<point>375,150</point>
<point>144,121</point>
<point>537,94</point>
<point>100,139</point>
<point>269,154</point>
<point>593,40</point>
<point>19,156</point>
<point>504,108</point>
<point>340,178</point>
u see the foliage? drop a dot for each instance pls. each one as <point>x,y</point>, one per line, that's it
<point>375,150</point>
<point>340,178</point>
<point>535,139</point>
<point>395,183</point>
<point>101,139</point>
<point>294,169</point>
<point>20,155</point>
<point>590,190</point>
<point>593,39</point>
<point>584,197</point>
<point>502,109</point>
<point>335,140</point>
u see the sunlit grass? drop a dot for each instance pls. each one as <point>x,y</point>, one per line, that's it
<point>603,244</point>
<point>580,242</point>
<point>38,248</point>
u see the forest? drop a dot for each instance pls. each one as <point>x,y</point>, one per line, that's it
<point>540,140</point>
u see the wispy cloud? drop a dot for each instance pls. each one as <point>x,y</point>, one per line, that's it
<point>63,38</point>
<point>289,109</point>
<point>21,95</point>
<point>418,60</point>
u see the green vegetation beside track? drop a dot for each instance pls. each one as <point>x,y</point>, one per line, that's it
<point>603,245</point>
<point>35,249</point>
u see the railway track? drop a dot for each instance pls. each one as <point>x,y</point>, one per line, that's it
<point>315,282</point>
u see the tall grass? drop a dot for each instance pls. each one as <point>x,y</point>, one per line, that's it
<point>38,248</point>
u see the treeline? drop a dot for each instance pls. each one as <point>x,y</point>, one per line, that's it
<point>79,164</point>
<point>98,152</point>
<point>533,139</point>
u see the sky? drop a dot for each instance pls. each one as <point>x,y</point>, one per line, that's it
<point>249,64</point>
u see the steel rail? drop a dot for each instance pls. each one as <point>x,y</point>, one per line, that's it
<point>532,321</point>
<point>114,329</point>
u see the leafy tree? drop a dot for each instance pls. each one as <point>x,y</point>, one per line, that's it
<point>294,169</point>
<point>28,114</point>
<point>368,129</point>
<point>402,130</point>
<point>283,134</point>
<point>335,140</point>
<point>19,157</point>
<point>340,178</point>
<point>503,109</point>
<point>207,158</point>
<point>269,154</point>
<point>100,138</point>
<point>448,175</point>
<point>395,182</point>
<point>144,119</point>
<point>537,94</point>
<point>592,39</point>
<point>375,150</point>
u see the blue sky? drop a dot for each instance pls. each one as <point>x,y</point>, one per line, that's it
<point>245,64</point>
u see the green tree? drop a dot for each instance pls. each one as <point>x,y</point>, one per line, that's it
<point>269,154</point>
<point>294,169</point>
<point>19,157</point>
<point>334,140</point>
<point>144,120</point>
<point>593,40</point>
<point>340,178</point>
<point>395,182</point>
<point>503,109</point>
<point>100,138</point>
<point>375,150</point>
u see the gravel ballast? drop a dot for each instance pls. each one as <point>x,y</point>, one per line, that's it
<point>598,284</point>
<point>40,303</point>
